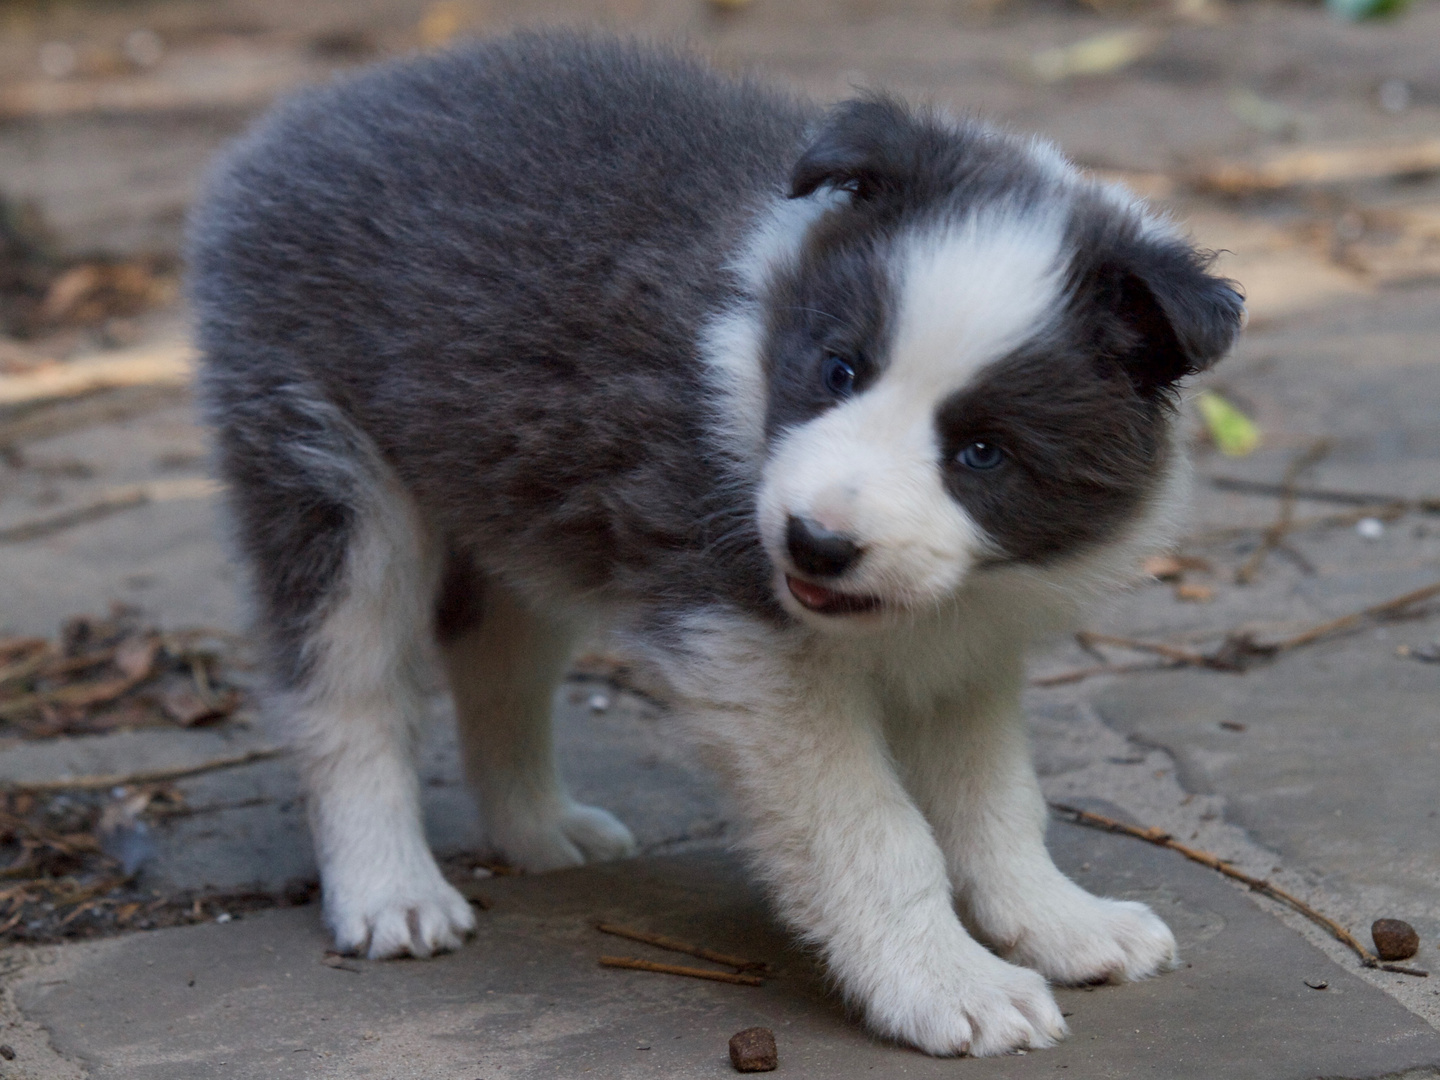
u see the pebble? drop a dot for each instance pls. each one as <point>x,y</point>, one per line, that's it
<point>599,703</point>
<point>753,1050</point>
<point>1394,939</point>
<point>1370,528</point>
<point>1316,984</point>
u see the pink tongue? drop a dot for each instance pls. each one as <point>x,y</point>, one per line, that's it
<point>813,596</point>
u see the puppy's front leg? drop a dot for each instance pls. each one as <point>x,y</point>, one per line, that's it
<point>855,869</point>
<point>970,768</point>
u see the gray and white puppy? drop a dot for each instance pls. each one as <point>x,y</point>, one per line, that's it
<point>828,413</point>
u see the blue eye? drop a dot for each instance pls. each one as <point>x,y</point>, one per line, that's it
<point>980,455</point>
<point>838,376</point>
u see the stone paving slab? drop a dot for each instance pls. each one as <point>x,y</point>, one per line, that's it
<point>253,999</point>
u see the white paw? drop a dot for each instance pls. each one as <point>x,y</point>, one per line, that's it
<point>573,835</point>
<point>381,916</point>
<point>1079,939</point>
<point>981,1006</point>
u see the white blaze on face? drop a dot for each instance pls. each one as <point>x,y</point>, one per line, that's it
<point>870,467</point>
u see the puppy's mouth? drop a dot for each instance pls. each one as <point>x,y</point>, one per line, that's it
<point>825,601</point>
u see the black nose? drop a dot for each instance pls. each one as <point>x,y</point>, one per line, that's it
<point>818,551</point>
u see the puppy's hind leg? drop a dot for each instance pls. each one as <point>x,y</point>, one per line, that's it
<point>343,585</point>
<point>504,660</point>
<point>358,711</point>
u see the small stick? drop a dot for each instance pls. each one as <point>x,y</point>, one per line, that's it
<point>662,942</point>
<point>101,782</point>
<point>1387,607</point>
<point>102,507</point>
<point>110,502</point>
<point>66,844</point>
<point>88,905</point>
<point>1275,535</point>
<point>1074,675</point>
<point>147,365</point>
<point>1223,658</point>
<point>675,969</point>
<point>58,417</point>
<point>75,695</point>
<point>1344,498</point>
<point>14,646</point>
<point>24,669</point>
<point>1160,837</point>
<point>1401,969</point>
<point>1169,652</point>
<point>1387,512</point>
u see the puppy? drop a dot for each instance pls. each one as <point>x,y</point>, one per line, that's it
<point>827,413</point>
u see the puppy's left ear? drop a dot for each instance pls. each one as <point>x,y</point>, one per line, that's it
<point>866,147</point>
<point>1177,318</point>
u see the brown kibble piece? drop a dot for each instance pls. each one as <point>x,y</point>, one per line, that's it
<point>753,1050</point>
<point>1394,939</point>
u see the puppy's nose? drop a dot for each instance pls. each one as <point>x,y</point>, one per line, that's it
<point>818,551</point>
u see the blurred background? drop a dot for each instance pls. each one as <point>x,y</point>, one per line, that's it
<point>109,110</point>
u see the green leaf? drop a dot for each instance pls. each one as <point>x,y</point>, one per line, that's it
<point>1355,10</point>
<point>1233,433</point>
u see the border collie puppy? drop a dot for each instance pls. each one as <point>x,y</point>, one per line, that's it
<point>827,413</point>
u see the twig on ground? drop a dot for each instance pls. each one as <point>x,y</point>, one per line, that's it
<point>110,502</point>
<point>153,776</point>
<point>45,420</point>
<point>1384,609</point>
<point>1402,969</point>
<point>103,507</point>
<point>1318,165</point>
<point>1074,675</point>
<point>77,695</point>
<point>1275,536</point>
<point>1386,512</point>
<point>1345,498</point>
<point>675,969</point>
<point>660,941</point>
<point>148,365</point>
<point>1161,838</point>
<point>66,843</point>
<point>1238,650</point>
<point>1169,652</point>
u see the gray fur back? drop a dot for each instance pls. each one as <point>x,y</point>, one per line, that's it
<point>493,265</point>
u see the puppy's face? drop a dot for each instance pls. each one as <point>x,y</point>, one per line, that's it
<point>969,360</point>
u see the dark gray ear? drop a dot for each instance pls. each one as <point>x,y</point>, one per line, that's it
<point>1177,319</point>
<point>867,146</point>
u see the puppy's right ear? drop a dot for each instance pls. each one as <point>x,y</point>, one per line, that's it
<point>865,147</point>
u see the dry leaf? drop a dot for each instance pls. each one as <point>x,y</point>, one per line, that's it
<point>1099,54</point>
<point>1170,567</point>
<point>1194,594</point>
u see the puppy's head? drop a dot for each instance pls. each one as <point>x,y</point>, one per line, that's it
<point>970,356</point>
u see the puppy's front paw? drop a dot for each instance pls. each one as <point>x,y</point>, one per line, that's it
<point>572,835</point>
<point>386,917</point>
<point>1088,939</point>
<point>982,1006</point>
